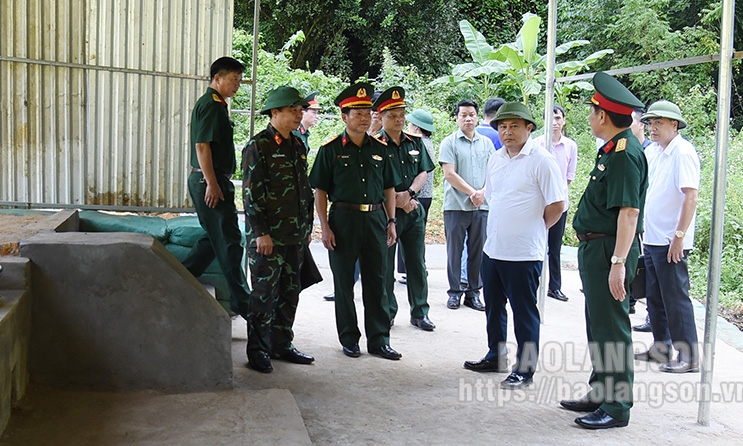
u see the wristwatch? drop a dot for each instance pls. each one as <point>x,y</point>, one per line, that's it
<point>618,260</point>
<point>679,234</point>
<point>391,220</point>
<point>411,192</point>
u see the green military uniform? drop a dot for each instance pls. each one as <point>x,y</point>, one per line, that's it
<point>410,158</point>
<point>304,136</point>
<point>618,179</point>
<point>278,202</point>
<point>210,123</point>
<point>354,176</point>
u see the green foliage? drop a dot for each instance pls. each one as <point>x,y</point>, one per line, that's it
<point>515,70</point>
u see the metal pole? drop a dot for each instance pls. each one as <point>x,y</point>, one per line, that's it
<point>254,82</point>
<point>549,98</point>
<point>718,211</point>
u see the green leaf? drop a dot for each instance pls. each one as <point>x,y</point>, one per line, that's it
<point>567,46</point>
<point>475,42</point>
<point>597,55</point>
<point>528,35</point>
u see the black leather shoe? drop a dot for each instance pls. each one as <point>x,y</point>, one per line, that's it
<point>386,352</point>
<point>330,297</point>
<point>679,366</point>
<point>496,365</point>
<point>474,303</point>
<point>653,355</point>
<point>453,302</point>
<point>516,381</point>
<point>403,280</point>
<point>353,351</point>
<point>644,328</point>
<point>582,405</point>
<point>599,420</point>
<point>557,294</point>
<point>632,309</point>
<point>424,323</point>
<point>260,362</point>
<point>296,357</point>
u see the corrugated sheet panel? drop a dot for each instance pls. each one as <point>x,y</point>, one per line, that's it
<point>97,94</point>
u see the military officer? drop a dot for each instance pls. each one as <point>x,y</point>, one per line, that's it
<point>209,186</point>
<point>607,223</point>
<point>354,173</point>
<point>411,161</point>
<point>310,116</point>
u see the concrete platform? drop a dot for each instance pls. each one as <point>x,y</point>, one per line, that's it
<point>237,417</point>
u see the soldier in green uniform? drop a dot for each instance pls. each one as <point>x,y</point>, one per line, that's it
<point>608,222</point>
<point>411,161</point>
<point>209,186</point>
<point>310,116</point>
<point>278,209</point>
<point>354,173</point>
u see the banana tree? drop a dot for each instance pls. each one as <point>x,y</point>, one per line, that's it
<point>516,65</point>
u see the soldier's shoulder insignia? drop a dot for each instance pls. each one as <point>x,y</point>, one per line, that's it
<point>621,145</point>
<point>379,139</point>
<point>329,140</point>
<point>216,97</point>
<point>414,135</point>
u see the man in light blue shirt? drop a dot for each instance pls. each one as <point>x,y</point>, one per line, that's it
<point>463,157</point>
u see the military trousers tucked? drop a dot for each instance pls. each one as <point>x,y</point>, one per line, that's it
<point>669,306</point>
<point>273,302</point>
<point>516,282</point>
<point>221,241</point>
<point>608,326</point>
<point>360,236</point>
<point>411,236</point>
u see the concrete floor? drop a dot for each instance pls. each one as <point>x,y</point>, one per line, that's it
<point>425,398</point>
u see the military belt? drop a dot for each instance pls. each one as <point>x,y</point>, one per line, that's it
<point>359,207</point>
<point>197,170</point>
<point>590,236</point>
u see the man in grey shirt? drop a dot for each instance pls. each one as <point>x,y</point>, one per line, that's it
<point>464,157</point>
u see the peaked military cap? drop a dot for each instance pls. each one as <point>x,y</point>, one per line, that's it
<point>355,96</point>
<point>613,96</point>
<point>312,100</point>
<point>513,110</point>
<point>283,97</point>
<point>664,109</point>
<point>423,119</point>
<point>390,98</point>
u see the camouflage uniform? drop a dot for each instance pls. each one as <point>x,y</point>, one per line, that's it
<point>278,202</point>
<point>409,159</point>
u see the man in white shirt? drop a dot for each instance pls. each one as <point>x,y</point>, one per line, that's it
<point>670,211</point>
<point>526,193</point>
<point>565,151</point>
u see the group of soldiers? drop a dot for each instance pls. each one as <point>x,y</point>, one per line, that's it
<point>366,188</point>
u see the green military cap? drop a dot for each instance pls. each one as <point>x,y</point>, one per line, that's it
<point>390,98</point>
<point>613,96</point>
<point>312,100</point>
<point>355,96</point>
<point>513,110</point>
<point>283,97</point>
<point>423,119</point>
<point>664,109</point>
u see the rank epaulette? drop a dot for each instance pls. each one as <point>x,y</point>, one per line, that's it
<point>378,138</point>
<point>331,139</point>
<point>416,135</point>
<point>621,145</point>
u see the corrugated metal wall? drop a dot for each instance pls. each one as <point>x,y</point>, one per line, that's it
<point>96,95</point>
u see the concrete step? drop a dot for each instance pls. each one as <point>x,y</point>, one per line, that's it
<point>230,417</point>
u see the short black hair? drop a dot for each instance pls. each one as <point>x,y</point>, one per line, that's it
<point>465,103</point>
<point>492,106</point>
<point>556,108</point>
<point>225,65</point>
<point>619,121</point>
